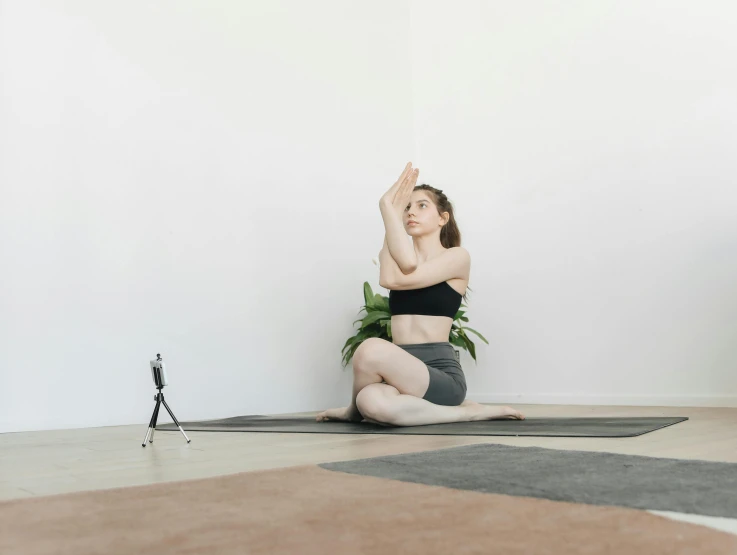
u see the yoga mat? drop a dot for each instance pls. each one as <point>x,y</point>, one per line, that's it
<point>553,427</point>
<point>595,478</point>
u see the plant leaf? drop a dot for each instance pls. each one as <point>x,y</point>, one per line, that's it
<point>477,333</point>
<point>469,344</point>
<point>373,317</point>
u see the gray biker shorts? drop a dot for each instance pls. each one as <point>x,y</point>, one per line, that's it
<point>447,381</point>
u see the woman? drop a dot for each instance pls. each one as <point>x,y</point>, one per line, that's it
<point>415,379</point>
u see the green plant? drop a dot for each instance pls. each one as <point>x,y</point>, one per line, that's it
<point>378,323</point>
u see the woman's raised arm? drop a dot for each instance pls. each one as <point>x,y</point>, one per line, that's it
<point>388,267</point>
<point>392,206</point>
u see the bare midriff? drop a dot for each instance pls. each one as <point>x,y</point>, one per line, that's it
<point>419,328</point>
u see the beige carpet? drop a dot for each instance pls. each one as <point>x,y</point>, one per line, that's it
<point>307,509</point>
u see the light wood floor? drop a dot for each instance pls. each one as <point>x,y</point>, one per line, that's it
<point>52,462</point>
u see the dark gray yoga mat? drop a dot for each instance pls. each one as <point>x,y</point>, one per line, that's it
<point>687,486</point>
<point>556,427</point>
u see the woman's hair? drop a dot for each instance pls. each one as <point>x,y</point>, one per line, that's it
<point>450,235</point>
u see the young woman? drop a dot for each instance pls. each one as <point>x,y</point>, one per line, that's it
<point>415,379</point>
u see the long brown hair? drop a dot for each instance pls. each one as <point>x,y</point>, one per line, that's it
<point>450,235</point>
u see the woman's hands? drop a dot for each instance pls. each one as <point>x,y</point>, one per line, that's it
<point>398,196</point>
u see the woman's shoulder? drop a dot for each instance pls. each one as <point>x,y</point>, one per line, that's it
<point>456,249</point>
<point>461,252</point>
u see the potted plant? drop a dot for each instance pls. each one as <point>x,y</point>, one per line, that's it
<point>377,323</point>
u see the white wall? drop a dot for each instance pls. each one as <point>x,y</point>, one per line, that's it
<point>591,148</point>
<point>201,180</point>
<point>196,179</point>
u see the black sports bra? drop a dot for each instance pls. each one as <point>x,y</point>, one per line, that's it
<point>436,300</point>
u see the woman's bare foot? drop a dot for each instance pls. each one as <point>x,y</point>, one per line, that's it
<point>343,414</point>
<point>477,411</point>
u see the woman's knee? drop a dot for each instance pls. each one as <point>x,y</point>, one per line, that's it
<point>367,353</point>
<point>373,402</point>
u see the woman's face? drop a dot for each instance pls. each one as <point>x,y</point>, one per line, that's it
<point>421,215</point>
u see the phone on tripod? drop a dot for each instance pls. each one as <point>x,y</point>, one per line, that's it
<point>158,372</point>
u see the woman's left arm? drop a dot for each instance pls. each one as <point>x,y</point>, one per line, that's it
<point>396,240</point>
<point>389,270</point>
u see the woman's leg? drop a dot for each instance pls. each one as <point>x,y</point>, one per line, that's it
<point>375,361</point>
<point>383,403</point>
<point>399,400</point>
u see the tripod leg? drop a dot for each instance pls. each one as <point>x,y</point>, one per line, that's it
<point>155,419</point>
<point>174,418</point>
<point>151,422</point>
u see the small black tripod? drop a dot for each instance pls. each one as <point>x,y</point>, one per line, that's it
<point>156,370</point>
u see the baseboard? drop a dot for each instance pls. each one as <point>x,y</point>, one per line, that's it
<point>726,401</point>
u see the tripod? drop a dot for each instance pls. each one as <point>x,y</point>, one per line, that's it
<point>156,369</point>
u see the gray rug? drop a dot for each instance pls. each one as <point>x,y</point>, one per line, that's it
<point>687,486</point>
<point>555,427</point>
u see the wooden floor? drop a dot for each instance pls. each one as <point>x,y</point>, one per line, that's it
<point>52,462</point>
